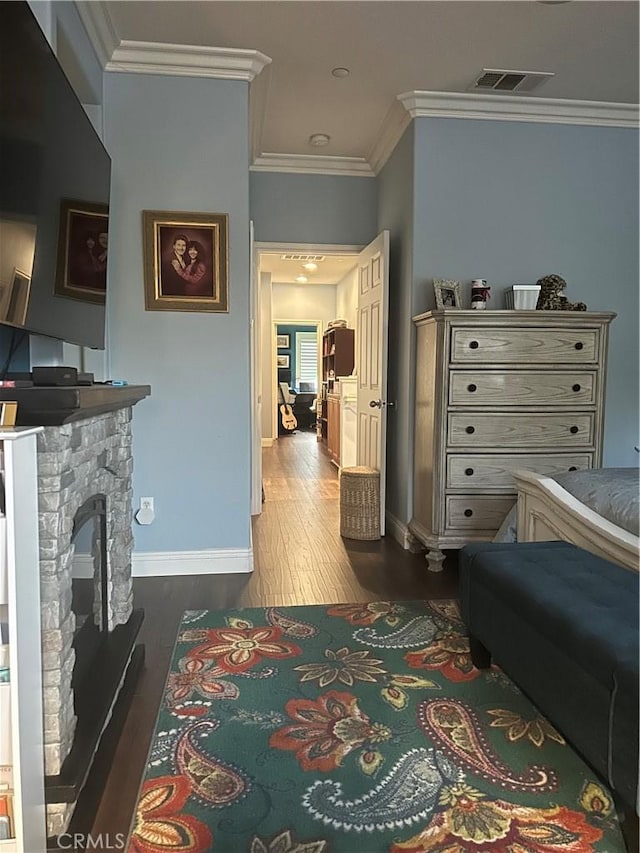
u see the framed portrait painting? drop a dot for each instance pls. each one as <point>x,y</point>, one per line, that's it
<point>283,361</point>
<point>282,341</point>
<point>185,261</point>
<point>83,240</point>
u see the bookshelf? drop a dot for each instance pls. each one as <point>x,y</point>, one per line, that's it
<point>21,612</point>
<point>337,355</point>
<point>337,360</point>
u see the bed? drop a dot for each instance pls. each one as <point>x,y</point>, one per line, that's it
<point>596,509</point>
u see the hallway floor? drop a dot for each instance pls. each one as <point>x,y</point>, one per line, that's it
<point>299,558</point>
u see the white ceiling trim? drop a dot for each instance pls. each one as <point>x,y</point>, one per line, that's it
<point>100,29</point>
<point>313,164</point>
<point>183,60</point>
<point>519,108</point>
<point>396,121</point>
<point>258,99</point>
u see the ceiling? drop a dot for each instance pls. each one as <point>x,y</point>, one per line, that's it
<point>330,268</point>
<point>390,48</point>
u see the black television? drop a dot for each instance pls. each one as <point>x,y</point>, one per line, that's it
<point>55,179</point>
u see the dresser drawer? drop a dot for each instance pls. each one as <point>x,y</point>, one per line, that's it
<point>522,388</point>
<point>475,512</point>
<point>502,430</point>
<point>494,471</point>
<point>527,346</point>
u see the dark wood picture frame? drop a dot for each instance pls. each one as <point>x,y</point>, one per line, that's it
<point>83,233</point>
<point>185,261</point>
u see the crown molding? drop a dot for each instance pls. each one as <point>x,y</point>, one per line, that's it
<point>100,28</point>
<point>396,121</point>
<point>258,100</point>
<point>183,60</point>
<point>519,108</point>
<point>312,164</point>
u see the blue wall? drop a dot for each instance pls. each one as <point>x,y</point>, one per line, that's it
<point>511,202</point>
<point>396,203</point>
<point>331,209</point>
<point>181,144</point>
<point>289,375</point>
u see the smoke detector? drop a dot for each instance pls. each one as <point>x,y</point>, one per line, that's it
<point>500,80</point>
<point>319,139</point>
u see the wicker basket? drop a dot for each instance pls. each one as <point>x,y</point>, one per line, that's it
<point>360,503</point>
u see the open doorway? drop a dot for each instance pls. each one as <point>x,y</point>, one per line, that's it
<point>336,289</point>
<point>297,370</point>
<point>306,289</point>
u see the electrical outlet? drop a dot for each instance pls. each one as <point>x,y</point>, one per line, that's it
<point>146,503</point>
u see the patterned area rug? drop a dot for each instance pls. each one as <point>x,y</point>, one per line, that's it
<point>356,729</point>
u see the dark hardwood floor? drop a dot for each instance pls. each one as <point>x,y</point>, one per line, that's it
<point>300,558</point>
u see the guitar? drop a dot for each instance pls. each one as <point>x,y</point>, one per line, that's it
<point>289,421</point>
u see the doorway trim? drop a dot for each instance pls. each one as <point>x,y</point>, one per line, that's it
<point>280,246</point>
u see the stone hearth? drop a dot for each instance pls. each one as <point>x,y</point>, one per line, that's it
<point>77,461</point>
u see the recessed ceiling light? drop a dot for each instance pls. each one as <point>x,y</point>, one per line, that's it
<point>319,139</point>
<point>310,267</point>
<point>302,279</point>
<point>340,71</point>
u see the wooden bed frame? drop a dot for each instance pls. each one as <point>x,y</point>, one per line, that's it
<point>546,512</point>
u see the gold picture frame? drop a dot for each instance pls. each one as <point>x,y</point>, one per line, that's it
<point>83,238</point>
<point>447,293</point>
<point>8,413</point>
<point>185,261</point>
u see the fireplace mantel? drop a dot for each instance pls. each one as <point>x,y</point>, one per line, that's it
<point>53,406</point>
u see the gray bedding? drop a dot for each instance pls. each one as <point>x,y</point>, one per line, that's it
<point>614,493</point>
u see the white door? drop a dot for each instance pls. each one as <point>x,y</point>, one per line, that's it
<point>372,330</point>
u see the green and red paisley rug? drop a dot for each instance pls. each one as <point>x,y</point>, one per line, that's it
<point>356,729</point>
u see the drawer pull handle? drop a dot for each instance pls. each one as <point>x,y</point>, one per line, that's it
<point>468,513</point>
<point>573,468</point>
<point>471,388</point>
<point>579,345</point>
<point>468,472</point>
<point>573,429</point>
<point>470,430</point>
<point>473,345</point>
<point>576,387</point>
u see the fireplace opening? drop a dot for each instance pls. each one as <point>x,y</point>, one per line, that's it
<point>89,584</point>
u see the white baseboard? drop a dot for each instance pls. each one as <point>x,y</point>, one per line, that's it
<point>399,531</point>
<point>267,442</point>
<point>216,561</point>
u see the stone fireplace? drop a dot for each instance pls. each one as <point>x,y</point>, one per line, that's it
<point>84,472</point>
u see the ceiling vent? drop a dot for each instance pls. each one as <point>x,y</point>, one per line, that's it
<point>303,259</point>
<point>495,80</point>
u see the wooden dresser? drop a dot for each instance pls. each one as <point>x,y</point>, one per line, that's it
<point>498,391</point>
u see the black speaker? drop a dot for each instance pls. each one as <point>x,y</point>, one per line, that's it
<point>54,375</point>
